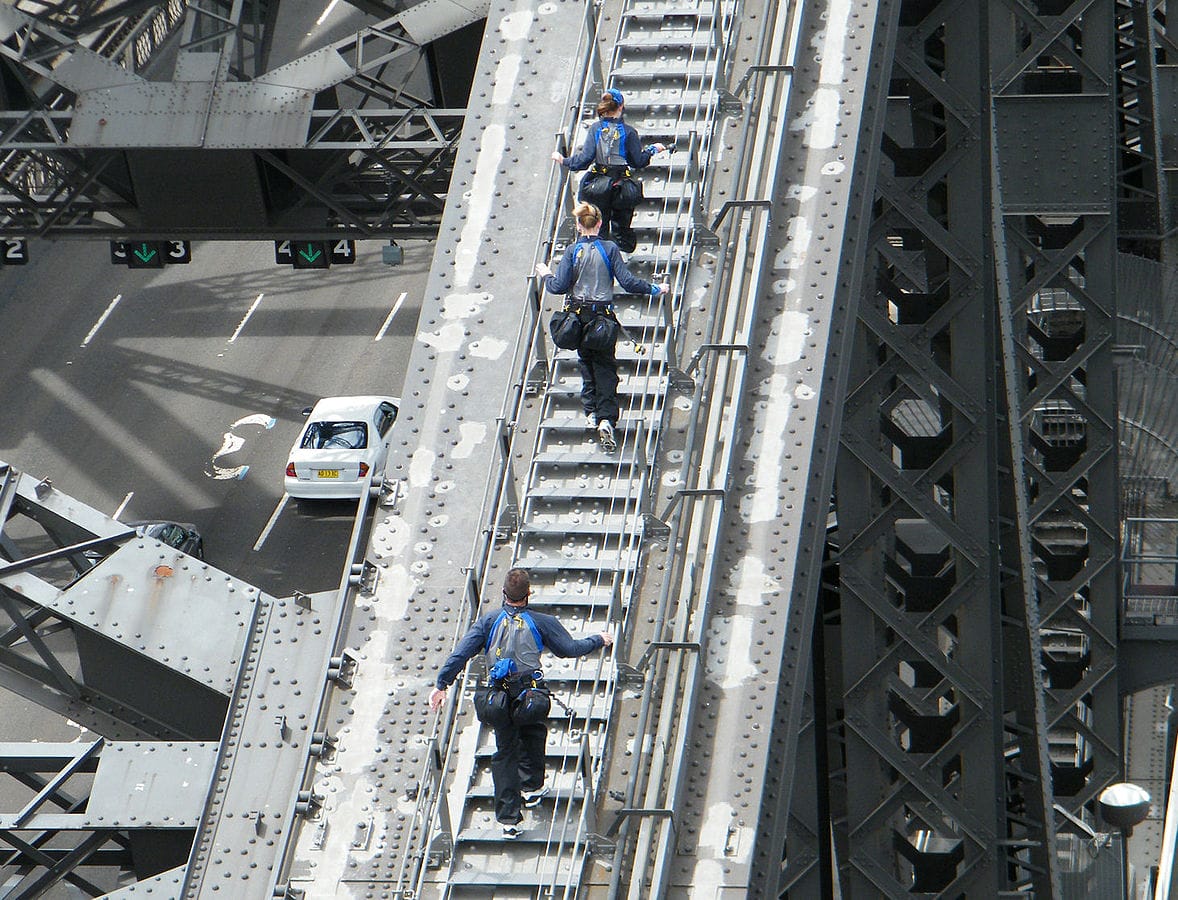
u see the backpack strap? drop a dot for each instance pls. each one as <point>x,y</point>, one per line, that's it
<point>605,258</point>
<point>494,627</point>
<point>527,617</point>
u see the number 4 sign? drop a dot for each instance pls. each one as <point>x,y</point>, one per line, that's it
<point>343,252</point>
<point>314,254</point>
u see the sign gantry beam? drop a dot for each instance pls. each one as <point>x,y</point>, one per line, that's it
<point>331,144</point>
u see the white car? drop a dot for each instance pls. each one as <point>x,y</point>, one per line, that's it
<point>345,439</point>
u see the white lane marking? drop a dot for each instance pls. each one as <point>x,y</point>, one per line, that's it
<point>231,443</point>
<point>273,518</point>
<point>118,512</point>
<point>249,312</point>
<point>101,319</point>
<point>388,320</point>
<point>105,429</point>
<point>326,12</point>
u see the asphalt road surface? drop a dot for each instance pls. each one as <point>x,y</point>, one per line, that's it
<point>176,393</point>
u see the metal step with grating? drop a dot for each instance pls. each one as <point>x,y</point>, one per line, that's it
<point>581,509</point>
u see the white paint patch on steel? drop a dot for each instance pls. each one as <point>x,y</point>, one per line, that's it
<point>389,318</point>
<point>153,466</point>
<point>472,434</point>
<point>421,467</point>
<point>728,842</point>
<point>390,537</point>
<point>824,124</point>
<point>505,74</point>
<point>458,382</point>
<point>834,168</point>
<point>249,312</point>
<point>463,306</point>
<point>831,42</point>
<point>515,26</point>
<point>753,586</point>
<point>488,348</point>
<point>797,244</point>
<point>729,660</point>
<point>101,319</point>
<point>792,328</point>
<point>801,192</point>
<point>331,861</point>
<point>446,339</point>
<point>271,522</point>
<point>761,504</point>
<point>478,203</point>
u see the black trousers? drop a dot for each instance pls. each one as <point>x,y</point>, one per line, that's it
<point>518,765</point>
<point>615,219</point>
<point>599,384</point>
<point>615,225</point>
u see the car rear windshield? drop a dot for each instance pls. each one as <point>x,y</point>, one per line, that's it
<point>335,436</point>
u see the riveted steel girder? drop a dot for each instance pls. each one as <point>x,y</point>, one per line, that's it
<point>975,488</point>
<point>330,144</point>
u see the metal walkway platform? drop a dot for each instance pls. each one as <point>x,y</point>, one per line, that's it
<point>582,510</point>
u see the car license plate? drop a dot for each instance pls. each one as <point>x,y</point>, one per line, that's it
<point>329,473</point>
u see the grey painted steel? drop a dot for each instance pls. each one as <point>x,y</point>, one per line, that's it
<point>137,784</point>
<point>268,745</point>
<point>134,638</point>
<point>466,367</point>
<point>97,150</point>
<point>1057,304</point>
<point>580,529</point>
<point>775,524</point>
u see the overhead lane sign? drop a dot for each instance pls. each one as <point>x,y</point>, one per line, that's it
<point>314,254</point>
<point>150,254</point>
<point>14,252</point>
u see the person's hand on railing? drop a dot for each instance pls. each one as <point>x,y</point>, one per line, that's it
<point>656,148</point>
<point>542,270</point>
<point>436,698</point>
<point>665,287</point>
<point>606,638</point>
<point>557,157</point>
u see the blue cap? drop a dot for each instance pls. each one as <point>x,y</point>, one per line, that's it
<point>617,95</point>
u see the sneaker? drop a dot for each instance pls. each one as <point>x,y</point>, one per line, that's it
<point>533,798</point>
<point>511,832</point>
<point>605,436</point>
<point>590,421</point>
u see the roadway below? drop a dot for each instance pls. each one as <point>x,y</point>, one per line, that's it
<point>176,393</point>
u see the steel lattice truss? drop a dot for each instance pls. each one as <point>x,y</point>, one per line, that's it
<point>976,485</point>
<point>341,146</point>
<point>1143,207</point>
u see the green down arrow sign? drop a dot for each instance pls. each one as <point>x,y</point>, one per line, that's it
<point>145,252</point>
<point>310,254</point>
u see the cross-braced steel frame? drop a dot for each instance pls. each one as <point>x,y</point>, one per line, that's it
<point>371,159</point>
<point>976,483</point>
<point>1144,216</point>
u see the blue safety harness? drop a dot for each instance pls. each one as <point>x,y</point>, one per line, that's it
<point>600,249</point>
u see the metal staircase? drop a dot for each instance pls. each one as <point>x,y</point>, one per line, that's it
<point>582,513</point>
